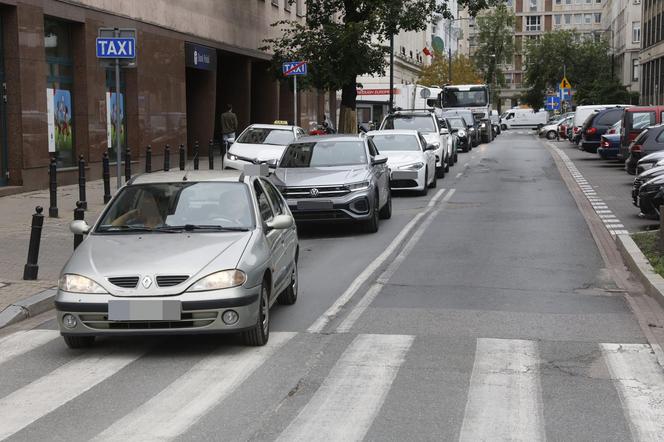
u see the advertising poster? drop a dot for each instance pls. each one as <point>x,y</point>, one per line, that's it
<point>112,103</point>
<point>50,118</point>
<point>63,124</point>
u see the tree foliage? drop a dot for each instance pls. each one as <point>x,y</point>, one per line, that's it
<point>344,39</point>
<point>437,73</point>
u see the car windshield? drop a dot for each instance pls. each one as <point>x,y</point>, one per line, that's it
<point>257,135</point>
<point>173,207</point>
<point>324,154</point>
<point>396,142</point>
<point>423,123</point>
<point>467,117</point>
<point>474,96</point>
<point>456,123</point>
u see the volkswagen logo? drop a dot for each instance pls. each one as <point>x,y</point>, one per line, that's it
<point>147,282</point>
<point>314,192</point>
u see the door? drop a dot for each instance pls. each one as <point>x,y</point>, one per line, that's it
<point>273,236</point>
<point>288,237</point>
<point>4,154</point>
<point>381,174</point>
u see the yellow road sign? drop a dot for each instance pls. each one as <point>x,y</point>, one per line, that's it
<point>565,84</point>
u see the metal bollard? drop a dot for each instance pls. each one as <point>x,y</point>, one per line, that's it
<point>81,182</point>
<point>31,267</point>
<point>196,155</point>
<point>127,164</point>
<point>53,189</point>
<point>167,157</point>
<point>106,175</point>
<point>182,157</point>
<point>79,214</point>
<point>210,156</point>
<point>148,159</point>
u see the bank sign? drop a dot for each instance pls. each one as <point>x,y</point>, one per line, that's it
<point>116,47</point>
<point>200,57</point>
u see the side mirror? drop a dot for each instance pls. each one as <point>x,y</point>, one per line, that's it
<point>444,131</point>
<point>379,159</point>
<point>281,222</point>
<point>430,147</point>
<point>79,227</point>
<point>273,163</point>
<point>230,141</point>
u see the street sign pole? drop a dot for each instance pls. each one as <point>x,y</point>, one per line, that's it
<point>294,100</point>
<point>118,153</point>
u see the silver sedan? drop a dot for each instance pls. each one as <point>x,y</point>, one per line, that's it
<point>181,252</point>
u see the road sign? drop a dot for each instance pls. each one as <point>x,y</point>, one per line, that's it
<point>116,47</point>
<point>294,68</point>
<point>565,94</point>
<point>552,103</point>
<point>564,84</point>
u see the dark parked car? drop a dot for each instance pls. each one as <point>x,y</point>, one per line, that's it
<point>596,125</point>
<point>459,127</point>
<point>651,197</point>
<point>649,141</point>
<point>643,178</point>
<point>609,146</point>
<point>649,161</point>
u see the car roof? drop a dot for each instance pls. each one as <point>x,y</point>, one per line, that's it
<point>394,132</point>
<point>412,112</point>
<point>186,175</point>
<point>331,137</point>
<point>273,126</point>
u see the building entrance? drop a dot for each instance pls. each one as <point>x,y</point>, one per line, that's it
<point>201,90</point>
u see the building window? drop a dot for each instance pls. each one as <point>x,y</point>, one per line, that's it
<point>588,2</point>
<point>287,6</point>
<point>568,19</point>
<point>578,19</point>
<point>568,2</point>
<point>635,69</point>
<point>532,23</point>
<point>636,31</point>
<point>598,17</point>
<point>557,19</point>
<point>559,2</point>
<point>587,18</point>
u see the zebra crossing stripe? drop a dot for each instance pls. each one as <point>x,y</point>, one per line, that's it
<point>24,341</point>
<point>504,398</point>
<point>24,406</point>
<point>180,405</point>
<point>345,405</point>
<point>640,382</point>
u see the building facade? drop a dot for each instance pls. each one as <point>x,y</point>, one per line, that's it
<point>622,25</point>
<point>652,52</point>
<point>59,100</point>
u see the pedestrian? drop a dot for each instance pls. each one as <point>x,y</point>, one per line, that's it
<point>228,124</point>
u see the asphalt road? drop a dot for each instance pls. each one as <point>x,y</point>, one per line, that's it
<point>480,312</point>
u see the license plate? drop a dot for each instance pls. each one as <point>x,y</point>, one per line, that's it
<point>314,205</point>
<point>404,175</point>
<point>144,310</point>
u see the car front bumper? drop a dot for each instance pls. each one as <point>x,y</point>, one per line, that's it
<point>408,179</point>
<point>354,206</point>
<point>199,312</point>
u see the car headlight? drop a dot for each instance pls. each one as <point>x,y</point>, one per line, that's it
<point>483,125</point>
<point>471,129</point>
<point>362,185</point>
<point>462,133</point>
<point>231,157</point>
<point>219,280</point>
<point>412,166</point>
<point>79,284</point>
<point>646,166</point>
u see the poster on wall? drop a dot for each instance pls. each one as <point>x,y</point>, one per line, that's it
<point>50,118</point>
<point>62,122</point>
<point>112,103</point>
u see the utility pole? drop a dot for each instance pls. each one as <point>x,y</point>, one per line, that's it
<point>449,50</point>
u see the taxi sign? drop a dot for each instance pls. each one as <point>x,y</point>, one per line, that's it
<point>281,122</point>
<point>564,84</point>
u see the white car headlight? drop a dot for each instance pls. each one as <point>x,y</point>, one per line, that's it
<point>483,125</point>
<point>219,280</point>
<point>462,133</point>
<point>72,283</point>
<point>231,157</point>
<point>362,185</point>
<point>411,166</point>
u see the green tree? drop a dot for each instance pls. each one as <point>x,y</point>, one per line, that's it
<point>344,39</point>
<point>437,73</point>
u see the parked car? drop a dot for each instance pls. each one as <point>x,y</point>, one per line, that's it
<point>550,130</point>
<point>609,146</point>
<point>581,114</point>
<point>651,196</point>
<point>644,177</point>
<point>596,125</point>
<point>649,141</point>
<point>564,125</point>
<point>410,159</point>
<point>635,120</point>
<point>181,252</point>
<point>458,126</point>
<point>428,124</point>
<point>473,124</point>
<point>260,143</point>
<point>335,178</point>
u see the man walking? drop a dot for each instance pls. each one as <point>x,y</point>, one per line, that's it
<point>228,124</point>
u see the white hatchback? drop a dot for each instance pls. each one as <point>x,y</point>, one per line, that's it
<point>260,143</point>
<point>410,158</point>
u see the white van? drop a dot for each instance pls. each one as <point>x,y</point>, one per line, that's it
<point>524,118</point>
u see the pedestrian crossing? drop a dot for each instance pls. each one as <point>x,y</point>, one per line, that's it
<point>504,394</point>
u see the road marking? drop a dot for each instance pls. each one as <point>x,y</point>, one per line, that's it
<point>346,404</point>
<point>504,398</point>
<point>24,406</point>
<point>384,278</point>
<point>640,382</point>
<point>321,322</point>
<point>180,405</point>
<point>24,341</point>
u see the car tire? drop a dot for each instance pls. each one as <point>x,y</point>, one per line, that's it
<point>289,296</point>
<point>434,183</point>
<point>456,157</point>
<point>447,165</point>
<point>371,225</point>
<point>440,172</point>
<point>386,210</point>
<point>551,135</point>
<point>79,341</point>
<point>503,127</point>
<point>259,334</point>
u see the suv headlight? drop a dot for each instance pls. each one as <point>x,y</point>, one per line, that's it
<point>412,166</point>
<point>362,185</point>
<point>231,157</point>
<point>72,283</point>
<point>219,280</point>
<point>462,133</point>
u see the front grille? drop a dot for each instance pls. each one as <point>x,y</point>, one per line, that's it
<point>322,215</point>
<point>171,280</point>
<point>126,282</point>
<point>323,191</point>
<point>403,183</point>
<point>188,320</point>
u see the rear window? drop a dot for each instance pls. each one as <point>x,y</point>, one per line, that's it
<point>643,136</point>
<point>641,120</point>
<point>396,142</point>
<point>608,118</point>
<point>660,137</point>
<point>423,123</point>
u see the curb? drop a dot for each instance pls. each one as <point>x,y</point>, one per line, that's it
<point>28,307</point>
<point>640,266</point>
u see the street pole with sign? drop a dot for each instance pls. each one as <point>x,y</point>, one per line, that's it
<point>293,69</point>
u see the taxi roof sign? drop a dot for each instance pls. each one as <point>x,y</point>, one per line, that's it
<point>564,84</point>
<point>281,122</point>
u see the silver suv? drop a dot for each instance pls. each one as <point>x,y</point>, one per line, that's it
<point>335,178</point>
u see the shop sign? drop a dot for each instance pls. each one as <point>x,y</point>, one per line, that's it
<point>376,91</point>
<point>200,57</point>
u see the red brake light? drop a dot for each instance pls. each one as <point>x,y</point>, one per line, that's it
<point>591,131</point>
<point>576,129</point>
<point>636,148</point>
<point>605,143</point>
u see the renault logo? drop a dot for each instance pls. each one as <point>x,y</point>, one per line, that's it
<point>314,192</point>
<point>147,282</point>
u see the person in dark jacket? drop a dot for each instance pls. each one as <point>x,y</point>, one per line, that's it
<point>228,124</point>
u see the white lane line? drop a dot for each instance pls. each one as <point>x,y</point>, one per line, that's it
<point>321,322</point>
<point>24,341</point>
<point>459,174</point>
<point>24,406</point>
<point>504,399</point>
<point>640,382</point>
<point>180,405</point>
<point>384,278</point>
<point>603,211</point>
<point>346,404</point>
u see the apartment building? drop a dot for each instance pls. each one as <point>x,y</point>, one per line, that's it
<point>621,20</point>
<point>651,57</point>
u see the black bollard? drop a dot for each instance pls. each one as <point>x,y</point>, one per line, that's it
<point>167,157</point>
<point>106,175</point>
<point>53,189</point>
<point>148,159</point>
<point>196,155</point>
<point>31,267</point>
<point>81,182</point>
<point>127,164</point>
<point>182,157</point>
<point>79,214</point>
<point>210,156</point>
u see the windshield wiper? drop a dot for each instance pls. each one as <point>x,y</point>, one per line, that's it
<point>126,228</point>
<point>192,227</point>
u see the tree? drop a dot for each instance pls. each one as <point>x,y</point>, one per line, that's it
<point>344,39</point>
<point>437,73</point>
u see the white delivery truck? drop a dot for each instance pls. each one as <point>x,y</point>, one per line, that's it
<point>524,118</point>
